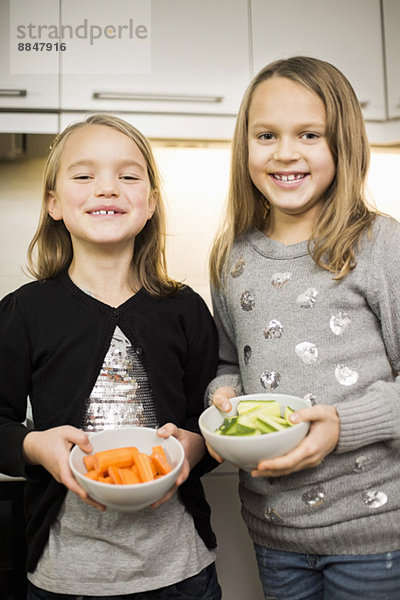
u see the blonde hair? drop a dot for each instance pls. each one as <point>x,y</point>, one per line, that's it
<point>50,250</point>
<point>345,213</point>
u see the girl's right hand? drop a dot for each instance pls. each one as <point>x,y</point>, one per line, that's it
<point>51,448</point>
<point>222,400</point>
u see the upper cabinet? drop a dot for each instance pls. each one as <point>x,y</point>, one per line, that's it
<point>20,87</point>
<point>391,19</point>
<point>199,63</point>
<point>346,33</point>
<point>185,75</point>
<point>29,81</point>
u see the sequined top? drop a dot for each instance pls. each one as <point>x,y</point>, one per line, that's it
<point>284,324</point>
<point>122,393</point>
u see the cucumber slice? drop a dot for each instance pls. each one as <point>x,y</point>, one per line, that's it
<point>227,424</point>
<point>287,413</point>
<point>239,429</point>
<point>275,424</point>
<point>255,418</point>
<point>269,406</point>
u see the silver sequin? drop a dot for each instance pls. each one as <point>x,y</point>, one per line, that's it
<point>278,280</point>
<point>238,269</point>
<point>360,463</point>
<point>311,399</point>
<point>247,352</point>
<point>273,330</point>
<point>314,496</point>
<point>345,376</point>
<point>307,351</point>
<point>339,322</point>
<point>272,516</point>
<point>374,499</point>
<point>247,301</point>
<point>308,298</point>
<point>122,394</point>
<point>270,380</point>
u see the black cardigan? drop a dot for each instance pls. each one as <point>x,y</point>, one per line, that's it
<point>53,340</point>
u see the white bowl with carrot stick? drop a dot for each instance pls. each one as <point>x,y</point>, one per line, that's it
<point>130,467</point>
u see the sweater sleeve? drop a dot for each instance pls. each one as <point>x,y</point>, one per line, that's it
<point>228,373</point>
<point>15,369</point>
<point>375,416</point>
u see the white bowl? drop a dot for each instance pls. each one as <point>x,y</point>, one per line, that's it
<point>128,497</point>
<point>247,451</point>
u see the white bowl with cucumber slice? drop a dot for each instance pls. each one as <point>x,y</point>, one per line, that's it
<point>258,427</point>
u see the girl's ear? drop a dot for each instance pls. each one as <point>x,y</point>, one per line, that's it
<point>53,207</point>
<point>153,198</point>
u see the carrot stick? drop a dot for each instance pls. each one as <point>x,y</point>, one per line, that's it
<point>135,470</point>
<point>114,474</point>
<point>160,460</point>
<point>92,474</point>
<point>128,476</point>
<point>89,461</point>
<point>143,463</point>
<point>117,457</point>
<point>110,466</point>
<point>153,467</point>
<point>105,479</point>
<point>134,453</point>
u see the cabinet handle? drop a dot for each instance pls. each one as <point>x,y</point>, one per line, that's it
<point>12,93</point>
<point>364,103</point>
<point>155,97</point>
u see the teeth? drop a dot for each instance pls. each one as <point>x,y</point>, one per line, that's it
<point>290,177</point>
<point>103,212</point>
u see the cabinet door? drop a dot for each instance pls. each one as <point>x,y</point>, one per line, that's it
<point>199,63</point>
<point>19,87</point>
<point>391,15</point>
<point>345,33</point>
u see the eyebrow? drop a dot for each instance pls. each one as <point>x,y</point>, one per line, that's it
<point>90,163</point>
<point>303,126</point>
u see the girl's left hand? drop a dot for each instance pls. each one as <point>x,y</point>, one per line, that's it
<point>194,447</point>
<point>321,440</point>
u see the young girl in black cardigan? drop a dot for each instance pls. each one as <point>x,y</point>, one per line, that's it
<point>104,338</point>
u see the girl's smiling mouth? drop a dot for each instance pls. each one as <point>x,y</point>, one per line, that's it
<point>288,179</point>
<point>109,211</point>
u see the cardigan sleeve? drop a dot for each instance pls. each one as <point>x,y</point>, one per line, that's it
<point>201,361</point>
<point>15,369</point>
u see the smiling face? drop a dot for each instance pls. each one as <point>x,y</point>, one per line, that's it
<point>103,192</point>
<point>290,162</point>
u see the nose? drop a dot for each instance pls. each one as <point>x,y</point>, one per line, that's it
<point>286,150</point>
<point>107,187</point>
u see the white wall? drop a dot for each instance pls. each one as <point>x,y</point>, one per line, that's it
<point>195,183</point>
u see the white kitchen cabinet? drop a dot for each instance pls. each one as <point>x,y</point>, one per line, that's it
<point>391,17</point>
<point>199,64</point>
<point>236,561</point>
<point>346,33</point>
<point>26,90</point>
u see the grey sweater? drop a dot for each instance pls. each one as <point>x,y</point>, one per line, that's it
<point>285,325</point>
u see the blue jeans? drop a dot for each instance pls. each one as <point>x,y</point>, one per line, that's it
<point>293,576</point>
<point>203,586</point>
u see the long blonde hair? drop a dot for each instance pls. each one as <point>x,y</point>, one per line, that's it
<point>50,250</point>
<point>345,213</point>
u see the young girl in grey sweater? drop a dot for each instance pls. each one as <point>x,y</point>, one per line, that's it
<point>306,293</point>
